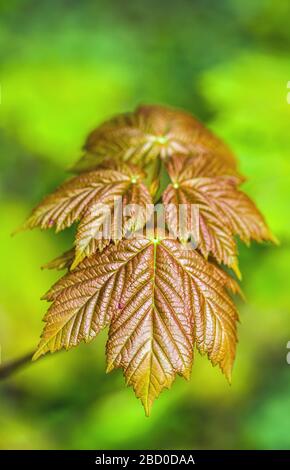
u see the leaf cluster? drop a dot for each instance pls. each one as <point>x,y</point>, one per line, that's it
<point>159,296</point>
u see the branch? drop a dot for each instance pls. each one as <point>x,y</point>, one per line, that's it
<point>12,366</point>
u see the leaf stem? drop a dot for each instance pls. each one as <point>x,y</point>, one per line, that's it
<point>10,367</point>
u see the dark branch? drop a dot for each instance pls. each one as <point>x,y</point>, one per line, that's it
<point>12,366</point>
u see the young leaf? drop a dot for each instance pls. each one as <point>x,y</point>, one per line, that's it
<point>159,298</point>
<point>205,227</point>
<point>94,198</point>
<point>134,208</point>
<point>224,210</point>
<point>148,133</point>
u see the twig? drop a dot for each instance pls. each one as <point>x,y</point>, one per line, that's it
<point>12,366</point>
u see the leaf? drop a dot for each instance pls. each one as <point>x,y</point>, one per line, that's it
<point>158,298</point>
<point>96,198</point>
<point>132,207</point>
<point>204,226</point>
<point>224,210</point>
<point>148,133</point>
<point>238,211</point>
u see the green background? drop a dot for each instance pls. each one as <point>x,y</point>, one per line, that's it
<point>65,67</point>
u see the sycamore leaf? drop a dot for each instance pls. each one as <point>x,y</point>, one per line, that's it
<point>148,133</point>
<point>98,199</point>
<point>158,298</point>
<point>223,210</point>
<point>104,216</point>
<point>238,211</point>
<point>203,226</point>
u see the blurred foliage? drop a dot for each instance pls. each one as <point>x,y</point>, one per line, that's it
<point>66,66</point>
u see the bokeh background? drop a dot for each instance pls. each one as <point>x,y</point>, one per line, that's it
<point>66,66</point>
